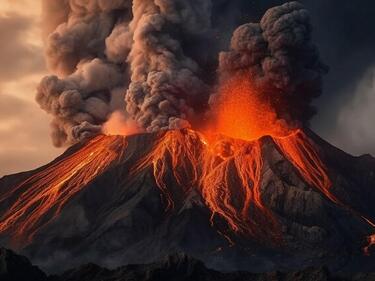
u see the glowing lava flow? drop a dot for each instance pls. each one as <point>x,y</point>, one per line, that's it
<point>224,165</point>
<point>227,171</point>
<point>178,147</point>
<point>43,195</point>
<point>241,112</point>
<point>231,187</point>
<point>300,151</point>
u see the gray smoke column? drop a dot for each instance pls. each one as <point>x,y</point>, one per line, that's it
<point>87,43</point>
<point>158,59</point>
<point>166,82</point>
<point>280,59</point>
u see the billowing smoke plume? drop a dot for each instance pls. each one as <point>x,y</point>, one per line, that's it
<point>86,48</point>
<point>158,59</point>
<point>92,45</point>
<point>165,81</point>
<point>280,59</point>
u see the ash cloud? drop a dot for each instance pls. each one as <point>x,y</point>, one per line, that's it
<point>147,51</point>
<point>161,56</point>
<point>165,82</point>
<point>82,50</point>
<point>280,59</point>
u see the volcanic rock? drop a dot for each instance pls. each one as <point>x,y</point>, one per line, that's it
<point>17,268</point>
<point>120,217</point>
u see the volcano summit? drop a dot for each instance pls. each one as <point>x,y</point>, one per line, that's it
<point>135,199</point>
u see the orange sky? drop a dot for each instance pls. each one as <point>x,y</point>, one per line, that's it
<point>24,129</point>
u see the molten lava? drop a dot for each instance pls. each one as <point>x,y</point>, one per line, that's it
<point>230,176</point>
<point>178,149</point>
<point>240,112</point>
<point>230,185</point>
<point>42,196</point>
<point>300,151</point>
<point>224,165</point>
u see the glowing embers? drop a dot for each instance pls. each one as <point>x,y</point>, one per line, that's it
<point>370,243</point>
<point>42,196</point>
<point>240,111</point>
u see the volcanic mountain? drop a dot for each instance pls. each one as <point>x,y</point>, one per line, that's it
<point>266,204</point>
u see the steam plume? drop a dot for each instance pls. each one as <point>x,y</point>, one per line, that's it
<point>280,59</point>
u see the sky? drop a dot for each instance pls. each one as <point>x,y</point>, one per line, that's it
<point>24,128</point>
<point>343,31</point>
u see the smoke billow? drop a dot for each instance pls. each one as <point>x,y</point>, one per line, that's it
<point>158,58</point>
<point>280,59</point>
<point>165,81</point>
<point>86,48</point>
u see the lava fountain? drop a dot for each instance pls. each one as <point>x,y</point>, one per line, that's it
<point>241,112</point>
<point>225,162</point>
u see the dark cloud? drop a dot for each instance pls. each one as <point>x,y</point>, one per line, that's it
<point>181,43</point>
<point>17,56</point>
<point>279,57</point>
<point>354,130</point>
<point>344,32</point>
<point>166,82</point>
<point>86,47</point>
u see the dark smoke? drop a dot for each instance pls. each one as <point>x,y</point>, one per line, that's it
<point>280,59</point>
<point>165,81</point>
<point>161,56</point>
<point>86,48</point>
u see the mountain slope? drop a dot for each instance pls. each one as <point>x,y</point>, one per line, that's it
<point>118,212</point>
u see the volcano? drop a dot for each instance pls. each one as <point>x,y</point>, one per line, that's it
<point>259,205</point>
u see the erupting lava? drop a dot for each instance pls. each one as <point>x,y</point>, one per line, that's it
<point>241,112</point>
<point>224,165</point>
<point>230,176</point>
<point>42,196</point>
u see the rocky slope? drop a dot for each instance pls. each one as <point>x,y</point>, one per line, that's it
<point>121,219</point>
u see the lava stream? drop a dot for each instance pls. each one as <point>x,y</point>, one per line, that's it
<point>43,195</point>
<point>179,148</point>
<point>231,187</point>
<point>300,151</point>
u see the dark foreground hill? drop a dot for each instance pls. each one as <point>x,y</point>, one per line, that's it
<point>173,268</point>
